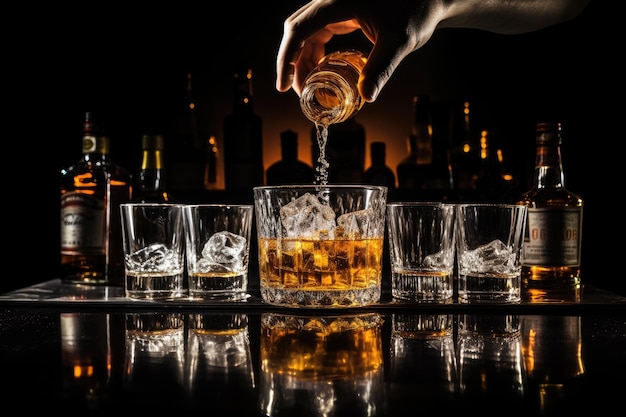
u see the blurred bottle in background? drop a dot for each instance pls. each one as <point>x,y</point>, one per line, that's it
<point>243,137</point>
<point>465,152</point>
<point>289,169</point>
<point>186,166</point>
<point>378,172</point>
<point>212,172</point>
<point>410,170</point>
<point>428,166</point>
<point>152,181</point>
<point>92,190</point>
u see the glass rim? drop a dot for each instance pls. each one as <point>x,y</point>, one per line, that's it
<point>418,203</point>
<point>219,205</point>
<point>140,204</point>
<point>320,187</point>
<point>493,205</point>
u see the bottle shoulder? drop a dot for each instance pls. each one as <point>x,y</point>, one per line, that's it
<point>550,197</point>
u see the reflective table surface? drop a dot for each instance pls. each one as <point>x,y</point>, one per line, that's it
<point>72,349</point>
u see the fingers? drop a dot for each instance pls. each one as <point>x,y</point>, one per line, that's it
<point>383,60</point>
<point>302,44</point>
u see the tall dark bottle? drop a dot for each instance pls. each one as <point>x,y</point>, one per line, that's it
<point>243,138</point>
<point>410,170</point>
<point>465,153</point>
<point>378,172</point>
<point>428,166</point>
<point>289,170</point>
<point>552,246</point>
<point>152,183</point>
<point>186,160</point>
<point>92,190</point>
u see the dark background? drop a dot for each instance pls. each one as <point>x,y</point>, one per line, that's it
<point>129,67</point>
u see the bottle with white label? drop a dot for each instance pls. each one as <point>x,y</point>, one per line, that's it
<point>552,245</point>
<point>92,190</point>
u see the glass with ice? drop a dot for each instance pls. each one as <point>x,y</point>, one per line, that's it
<point>489,247</point>
<point>154,250</point>
<point>320,246</point>
<point>218,247</point>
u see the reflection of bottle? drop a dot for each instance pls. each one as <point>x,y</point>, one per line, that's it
<point>289,170</point>
<point>152,176</point>
<point>378,172</point>
<point>330,93</point>
<point>552,349</point>
<point>90,349</point>
<point>552,246</point>
<point>422,362</point>
<point>219,363</point>
<point>91,232</point>
<point>322,365</point>
<point>243,137</point>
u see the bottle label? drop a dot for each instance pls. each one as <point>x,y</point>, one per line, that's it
<point>82,224</point>
<point>553,237</point>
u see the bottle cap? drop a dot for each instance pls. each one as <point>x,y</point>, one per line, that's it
<point>152,142</point>
<point>549,133</point>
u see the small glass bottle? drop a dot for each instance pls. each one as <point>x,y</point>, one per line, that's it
<point>152,176</point>
<point>92,190</point>
<point>552,245</point>
<point>330,93</point>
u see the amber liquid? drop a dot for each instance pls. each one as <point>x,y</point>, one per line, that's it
<point>315,348</point>
<point>325,273</point>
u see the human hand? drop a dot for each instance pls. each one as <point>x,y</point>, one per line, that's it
<point>395,27</point>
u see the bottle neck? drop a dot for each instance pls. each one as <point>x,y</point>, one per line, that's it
<point>95,147</point>
<point>548,166</point>
<point>152,176</point>
<point>152,159</point>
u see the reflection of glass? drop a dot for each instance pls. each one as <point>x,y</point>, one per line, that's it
<point>552,349</point>
<point>155,348</point>
<point>322,366</point>
<point>89,350</point>
<point>422,362</point>
<point>219,365</point>
<point>490,359</point>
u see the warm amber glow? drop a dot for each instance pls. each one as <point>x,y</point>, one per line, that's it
<point>83,371</point>
<point>529,352</point>
<point>483,145</point>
